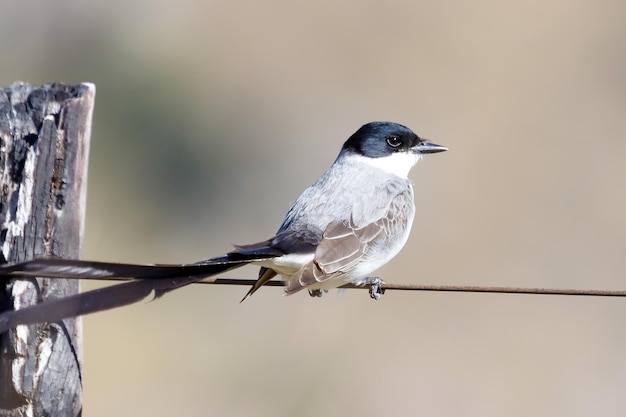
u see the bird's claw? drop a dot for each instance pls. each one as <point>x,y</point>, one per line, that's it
<point>317,293</point>
<point>376,286</point>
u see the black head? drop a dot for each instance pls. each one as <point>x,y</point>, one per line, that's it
<point>380,139</point>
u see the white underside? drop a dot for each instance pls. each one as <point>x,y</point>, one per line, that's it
<point>289,264</point>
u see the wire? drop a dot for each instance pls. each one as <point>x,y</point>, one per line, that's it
<point>440,288</point>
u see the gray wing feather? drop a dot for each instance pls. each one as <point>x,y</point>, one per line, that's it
<point>344,244</point>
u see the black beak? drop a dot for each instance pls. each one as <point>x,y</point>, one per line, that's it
<point>425,146</point>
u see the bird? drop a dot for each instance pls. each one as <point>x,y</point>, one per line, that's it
<point>353,220</point>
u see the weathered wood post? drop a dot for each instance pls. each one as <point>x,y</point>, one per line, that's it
<point>44,144</point>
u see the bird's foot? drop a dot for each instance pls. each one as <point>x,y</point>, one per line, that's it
<point>375,284</point>
<point>317,292</point>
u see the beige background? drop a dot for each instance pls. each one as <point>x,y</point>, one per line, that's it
<point>211,117</point>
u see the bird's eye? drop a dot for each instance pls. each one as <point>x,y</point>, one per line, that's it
<point>394,141</point>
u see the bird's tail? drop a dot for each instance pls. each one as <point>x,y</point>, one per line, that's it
<point>146,279</point>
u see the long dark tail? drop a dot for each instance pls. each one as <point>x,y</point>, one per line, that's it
<point>159,279</point>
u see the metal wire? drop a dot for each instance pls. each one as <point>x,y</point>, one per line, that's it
<point>440,288</point>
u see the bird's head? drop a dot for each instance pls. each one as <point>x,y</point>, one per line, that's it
<point>389,146</point>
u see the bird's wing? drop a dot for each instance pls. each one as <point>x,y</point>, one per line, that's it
<point>341,247</point>
<point>344,244</point>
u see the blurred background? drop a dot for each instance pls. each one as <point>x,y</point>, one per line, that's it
<point>212,116</point>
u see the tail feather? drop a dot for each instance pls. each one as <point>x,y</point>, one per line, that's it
<point>147,279</point>
<point>264,275</point>
<point>69,268</point>
<point>51,311</point>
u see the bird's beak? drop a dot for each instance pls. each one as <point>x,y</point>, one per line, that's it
<point>428,147</point>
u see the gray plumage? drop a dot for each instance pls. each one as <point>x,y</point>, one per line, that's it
<point>349,223</point>
<point>354,219</point>
<point>354,233</point>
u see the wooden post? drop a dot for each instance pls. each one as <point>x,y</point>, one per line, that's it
<point>44,143</point>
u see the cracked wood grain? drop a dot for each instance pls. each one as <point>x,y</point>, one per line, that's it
<point>44,144</point>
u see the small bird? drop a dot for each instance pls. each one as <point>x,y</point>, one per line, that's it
<point>349,223</point>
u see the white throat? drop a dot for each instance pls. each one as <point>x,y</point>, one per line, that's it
<point>399,163</point>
